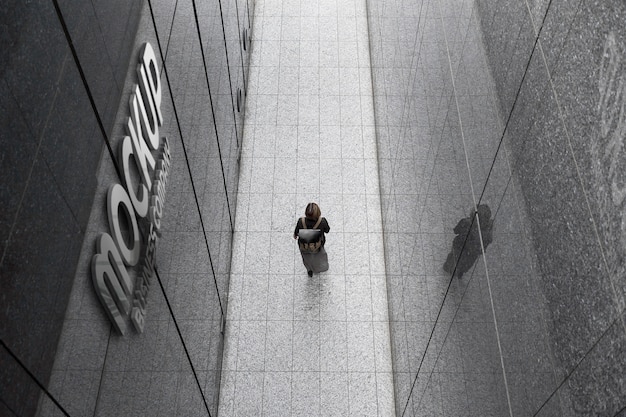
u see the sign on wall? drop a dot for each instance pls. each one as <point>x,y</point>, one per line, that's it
<point>123,266</point>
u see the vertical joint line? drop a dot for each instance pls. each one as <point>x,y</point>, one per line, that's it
<point>180,132</point>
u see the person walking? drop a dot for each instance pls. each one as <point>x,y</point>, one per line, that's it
<point>466,246</point>
<point>311,232</point>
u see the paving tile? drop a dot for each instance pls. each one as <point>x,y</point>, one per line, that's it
<point>280,297</point>
<point>352,142</point>
<point>328,8</point>
<point>329,54</point>
<point>282,253</point>
<point>277,394</point>
<point>305,394</point>
<point>328,28</point>
<point>268,80</point>
<point>330,110</point>
<point>361,356</point>
<point>251,350</point>
<point>309,54</point>
<point>254,297</point>
<point>309,9</point>
<point>288,83</point>
<point>334,398</point>
<point>330,139</point>
<point>348,73</point>
<point>308,77</point>
<point>333,298</point>
<point>359,298</point>
<point>270,53</point>
<point>308,346</point>
<point>289,53</point>
<point>279,346</point>
<point>336,253</point>
<point>248,397</point>
<point>264,141</point>
<point>351,110</point>
<point>287,111</point>
<point>308,109</point>
<point>362,393</point>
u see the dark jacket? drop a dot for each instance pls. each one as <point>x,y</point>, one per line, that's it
<point>323,226</point>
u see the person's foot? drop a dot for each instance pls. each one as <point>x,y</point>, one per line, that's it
<point>310,273</point>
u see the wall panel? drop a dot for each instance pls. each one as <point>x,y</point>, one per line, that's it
<point>531,130</point>
<point>56,170</point>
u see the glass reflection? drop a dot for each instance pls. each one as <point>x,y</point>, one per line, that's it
<point>466,245</point>
<point>440,152</point>
<point>504,122</point>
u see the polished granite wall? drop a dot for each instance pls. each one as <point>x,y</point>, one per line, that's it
<point>50,142</point>
<point>56,167</point>
<point>471,111</point>
<point>566,134</point>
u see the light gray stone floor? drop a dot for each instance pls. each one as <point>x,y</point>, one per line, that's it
<point>294,345</point>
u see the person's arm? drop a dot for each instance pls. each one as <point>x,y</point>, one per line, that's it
<point>324,227</point>
<point>297,229</point>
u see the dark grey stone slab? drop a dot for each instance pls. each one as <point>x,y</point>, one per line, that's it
<point>33,59</point>
<point>580,320</point>
<point>548,319</point>
<point>560,22</point>
<point>98,64</point>
<point>71,157</point>
<point>37,272</point>
<point>596,385</point>
<point>588,107</point>
<point>17,156</point>
<point>118,34</point>
<point>520,55</point>
<point>486,394</point>
<point>546,167</point>
<point>427,398</point>
<point>533,103</point>
<point>47,105</point>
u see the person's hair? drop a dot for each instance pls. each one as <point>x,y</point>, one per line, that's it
<point>312,211</point>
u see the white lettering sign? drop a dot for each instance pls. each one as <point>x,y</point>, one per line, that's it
<point>139,202</point>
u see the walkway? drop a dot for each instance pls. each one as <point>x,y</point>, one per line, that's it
<point>300,346</point>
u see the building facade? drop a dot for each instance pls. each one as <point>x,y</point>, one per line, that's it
<point>101,104</point>
<point>122,124</point>
<point>518,106</point>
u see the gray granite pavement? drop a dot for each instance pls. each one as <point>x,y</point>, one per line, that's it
<point>296,345</point>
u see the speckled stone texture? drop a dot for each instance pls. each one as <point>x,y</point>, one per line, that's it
<point>298,345</point>
<point>565,170</point>
<point>471,109</point>
<point>50,145</point>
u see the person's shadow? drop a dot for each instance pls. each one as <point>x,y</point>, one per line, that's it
<point>466,246</point>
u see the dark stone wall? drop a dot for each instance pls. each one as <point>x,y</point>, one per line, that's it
<point>58,157</point>
<point>518,105</point>
<point>566,128</point>
<point>50,145</point>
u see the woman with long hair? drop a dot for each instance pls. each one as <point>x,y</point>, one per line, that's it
<point>311,235</point>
